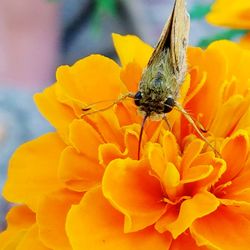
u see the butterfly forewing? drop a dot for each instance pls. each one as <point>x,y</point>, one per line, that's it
<point>174,37</point>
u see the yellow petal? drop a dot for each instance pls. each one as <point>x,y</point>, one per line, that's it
<point>137,194</point>
<point>79,172</point>
<point>51,217</point>
<point>100,227</point>
<point>223,229</point>
<point>33,170</point>
<point>131,49</point>
<point>200,205</point>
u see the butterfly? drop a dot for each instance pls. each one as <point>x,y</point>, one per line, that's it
<point>161,80</point>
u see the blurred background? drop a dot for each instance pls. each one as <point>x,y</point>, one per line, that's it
<point>36,36</point>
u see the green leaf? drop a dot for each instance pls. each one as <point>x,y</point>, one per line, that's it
<point>199,11</point>
<point>228,34</point>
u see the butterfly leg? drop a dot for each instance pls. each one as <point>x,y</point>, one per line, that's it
<point>120,99</point>
<point>191,121</point>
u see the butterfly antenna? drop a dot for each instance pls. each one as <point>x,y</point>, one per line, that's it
<point>140,136</point>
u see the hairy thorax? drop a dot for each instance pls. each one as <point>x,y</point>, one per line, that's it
<point>157,87</point>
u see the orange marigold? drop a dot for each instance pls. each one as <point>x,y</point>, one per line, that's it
<point>235,14</point>
<point>82,186</point>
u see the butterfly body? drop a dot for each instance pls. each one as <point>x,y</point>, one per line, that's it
<point>166,70</point>
<point>158,84</point>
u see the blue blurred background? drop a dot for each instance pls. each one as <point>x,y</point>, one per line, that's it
<point>38,35</point>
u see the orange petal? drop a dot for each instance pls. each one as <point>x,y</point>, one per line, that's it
<point>132,140</point>
<point>200,205</point>
<point>219,167</point>
<point>126,112</point>
<point>171,180</point>
<point>132,49</point>
<point>51,217</point>
<point>223,229</point>
<point>203,104</point>
<point>100,227</point>
<point>156,159</point>
<point>33,170</point>
<point>92,79</point>
<point>237,106</point>
<point>85,138</point>
<point>137,194</point>
<point>109,152</point>
<point>31,240</point>
<point>107,124</point>
<point>78,172</point>
<point>187,241</point>
<point>191,152</point>
<point>197,173</point>
<point>58,114</point>
<point>171,148</point>
<point>234,152</point>
<point>19,220</point>
<point>131,76</point>
<point>239,183</point>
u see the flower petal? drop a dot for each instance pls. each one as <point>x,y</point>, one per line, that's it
<point>202,105</point>
<point>19,220</point>
<point>92,79</point>
<point>33,170</point>
<point>51,217</point>
<point>200,205</point>
<point>78,172</point>
<point>131,49</point>
<point>236,105</point>
<point>223,229</point>
<point>31,240</point>
<point>137,194</point>
<point>171,148</point>
<point>58,114</point>
<point>185,240</point>
<point>191,152</point>
<point>85,138</point>
<point>131,76</point>
<point>95,224</point>
<point>234,152</point>
<point>197,173</point>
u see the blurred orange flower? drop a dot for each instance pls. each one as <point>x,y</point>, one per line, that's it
<point>82,186</point>
<point>235,14</point>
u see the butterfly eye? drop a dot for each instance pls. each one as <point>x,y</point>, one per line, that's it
<point>137,98</point>
<point>168,105</point>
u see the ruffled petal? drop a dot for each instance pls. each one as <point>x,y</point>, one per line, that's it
<point>234,152</point>
<point>236,105</point>
<point>94,72</point>
<point>185,240</point>
<point>137,194</point>
<point>79,172</point>
<point>33,170</point>
<point>58,114</point>
<point>94,224</point>
<point>19,220</point>
<point>198,206</point>
<point>223,229</point>
<point>51,217</point>
<point>85,138</point>
<point>31,240</point>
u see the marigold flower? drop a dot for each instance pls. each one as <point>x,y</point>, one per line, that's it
<point>82,186</point>
<point>237,14</point>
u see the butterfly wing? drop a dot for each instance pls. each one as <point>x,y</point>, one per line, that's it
<point>174,38</point>
<point>179,40</point>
